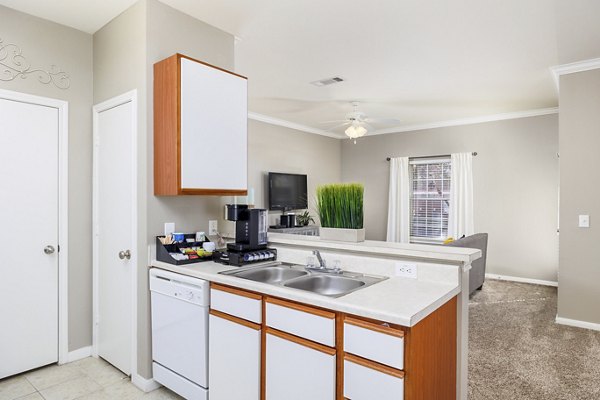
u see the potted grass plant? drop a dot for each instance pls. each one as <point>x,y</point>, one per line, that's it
<point>340,209</point>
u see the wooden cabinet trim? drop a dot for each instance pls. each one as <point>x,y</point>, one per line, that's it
<point>301,341</point>
<point>179,55</point>
<point>239,292</point>
<point>301,307</point>
<point>374,365</point>
<point>236,320</point>
<point>211,192</point>
<point>388,330</point>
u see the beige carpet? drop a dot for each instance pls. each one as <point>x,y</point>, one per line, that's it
<point>516,351</point>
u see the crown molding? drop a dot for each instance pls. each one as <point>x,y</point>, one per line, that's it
<point>571,68</point>
<point>467,121</point>
<point>407,128</point>
<point>292,125</point>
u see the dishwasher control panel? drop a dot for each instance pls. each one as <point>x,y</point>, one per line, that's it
<point>193,290</point>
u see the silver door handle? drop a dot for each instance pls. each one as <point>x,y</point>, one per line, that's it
<point>49,249</point>
<point>125,254</point>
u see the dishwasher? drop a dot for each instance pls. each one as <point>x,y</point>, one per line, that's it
<point>180,333</point>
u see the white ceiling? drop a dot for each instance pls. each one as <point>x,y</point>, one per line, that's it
<point>418,61</point>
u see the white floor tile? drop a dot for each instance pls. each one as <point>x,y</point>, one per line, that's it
<point>53,375</point>
<point>12,388</point>
<point>32,396</point>
<point>72,389</point>
<point>100,371</point>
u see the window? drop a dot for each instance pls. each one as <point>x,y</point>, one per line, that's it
<point>429,199</point>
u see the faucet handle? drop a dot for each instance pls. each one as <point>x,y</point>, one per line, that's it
<point>337,265</point>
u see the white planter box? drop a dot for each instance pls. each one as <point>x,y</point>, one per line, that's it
<point>342,235</point>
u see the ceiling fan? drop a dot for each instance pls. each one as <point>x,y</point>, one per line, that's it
<point>357,123</point>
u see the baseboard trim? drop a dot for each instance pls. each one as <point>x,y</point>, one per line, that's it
<point>145,385</point>
<point>521,280</point>
<point>79,354</point>
<point>577,324</point>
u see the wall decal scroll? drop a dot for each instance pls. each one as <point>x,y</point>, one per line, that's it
<point>14,65</point>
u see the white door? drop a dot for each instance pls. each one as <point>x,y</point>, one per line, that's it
<point>297,372</point>
<point>114,216</point>
<point>29,135</point>
<point>233,351</point>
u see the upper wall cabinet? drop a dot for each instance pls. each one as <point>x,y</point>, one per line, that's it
<point>200,129</point>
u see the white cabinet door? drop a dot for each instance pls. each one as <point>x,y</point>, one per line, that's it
<point>298,372</point>
<point>234,359</point>
<point>214,133</point>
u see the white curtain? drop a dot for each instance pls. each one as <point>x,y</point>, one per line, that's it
<point>460,218</point>
<point>398,227</point>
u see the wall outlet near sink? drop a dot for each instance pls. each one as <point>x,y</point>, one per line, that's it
<point>213,227</point>
<point>406,270</point>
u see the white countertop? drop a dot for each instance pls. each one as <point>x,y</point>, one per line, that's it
<point>396,300</point>
<point>424,252</point>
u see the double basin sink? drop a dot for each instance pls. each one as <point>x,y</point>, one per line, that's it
<point>297,277</point>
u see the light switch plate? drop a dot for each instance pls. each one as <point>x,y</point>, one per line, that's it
<point>169,228</point>
<point>406,270</point>
<point>584,221</point>
<point>213,227</point>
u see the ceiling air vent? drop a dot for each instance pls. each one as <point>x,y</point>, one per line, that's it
<point>328,81</point>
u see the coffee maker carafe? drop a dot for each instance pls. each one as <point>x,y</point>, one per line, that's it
<point>250,227</point>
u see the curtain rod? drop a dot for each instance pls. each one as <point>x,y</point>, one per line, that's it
<point>443,155</point>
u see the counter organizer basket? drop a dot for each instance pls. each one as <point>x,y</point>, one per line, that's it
<point>163,250</point>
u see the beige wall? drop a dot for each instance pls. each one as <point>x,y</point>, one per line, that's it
<point>277,149</point>
<point>45,43</point>
<point>578,292</point>
<point>515,186</point>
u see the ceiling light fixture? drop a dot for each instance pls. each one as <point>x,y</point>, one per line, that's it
<point>355,130</point>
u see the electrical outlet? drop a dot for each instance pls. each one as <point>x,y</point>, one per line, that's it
<point>169,228</point>
<point>213,227</point>
<point>406,270</point>
<point>584,221</point>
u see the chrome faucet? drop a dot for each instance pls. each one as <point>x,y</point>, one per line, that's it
<point>322,263</point>
<point>322,267</point>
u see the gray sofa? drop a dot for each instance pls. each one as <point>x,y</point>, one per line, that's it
<point>476,241</point>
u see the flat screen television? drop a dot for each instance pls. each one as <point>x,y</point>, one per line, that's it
<point>287,191</point>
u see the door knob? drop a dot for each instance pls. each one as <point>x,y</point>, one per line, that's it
<point>49,249</point>
<point>124,254</point>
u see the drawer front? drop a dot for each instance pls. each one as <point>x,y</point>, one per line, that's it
<point>303,321</point>
<point>384,345</point>
<point>235,302</point>
<point>364,383</point>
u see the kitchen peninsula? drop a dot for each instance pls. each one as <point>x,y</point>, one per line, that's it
<point>402,338</point>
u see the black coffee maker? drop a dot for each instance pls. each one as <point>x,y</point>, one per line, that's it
<point>251,226</point>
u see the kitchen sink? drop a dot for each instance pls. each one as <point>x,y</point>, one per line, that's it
<point>271,274</point>
<point>295,276</point>
<point>328,285</point>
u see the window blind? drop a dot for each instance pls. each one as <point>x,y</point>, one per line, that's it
<point>429,198</point>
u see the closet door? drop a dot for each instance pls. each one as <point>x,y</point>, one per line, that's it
<point>28,236</point>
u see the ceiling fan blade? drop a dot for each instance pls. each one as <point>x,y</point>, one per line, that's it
<point>369,127</point>
<point>338,126</point>
<point>335,121</point>
<point>383,121</point>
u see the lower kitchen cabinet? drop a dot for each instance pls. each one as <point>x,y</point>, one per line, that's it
<point>297,369</point>
<point>234,358</point>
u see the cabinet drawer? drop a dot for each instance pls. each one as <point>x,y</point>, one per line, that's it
<point>367,382</point>
<point>238,303</point>
<point>379,343</point>
<point>300,320</point>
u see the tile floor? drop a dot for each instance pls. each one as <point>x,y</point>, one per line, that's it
<point>87,379</point>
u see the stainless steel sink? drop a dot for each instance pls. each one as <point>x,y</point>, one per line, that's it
<point>297,277</point>
<point>271,274</point>
<point>328,285</point>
